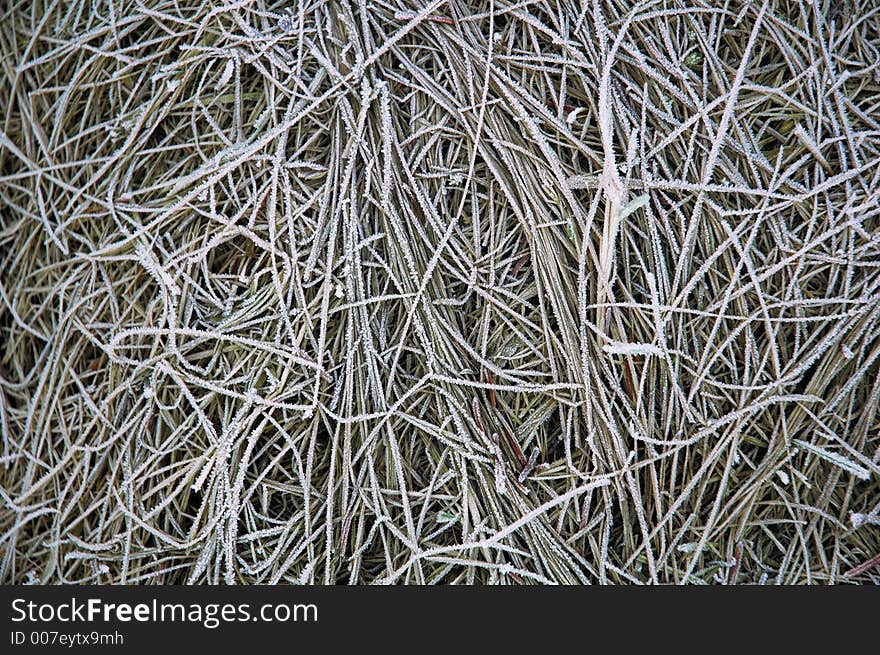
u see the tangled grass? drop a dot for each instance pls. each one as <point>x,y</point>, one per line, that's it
<point>470,292</point>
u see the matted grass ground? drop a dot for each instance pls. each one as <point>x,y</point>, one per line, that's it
<point>463,292</point>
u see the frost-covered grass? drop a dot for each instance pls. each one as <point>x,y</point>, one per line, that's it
<point>439,292</point>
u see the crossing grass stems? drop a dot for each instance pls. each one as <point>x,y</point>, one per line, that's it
<point>502,292</point>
